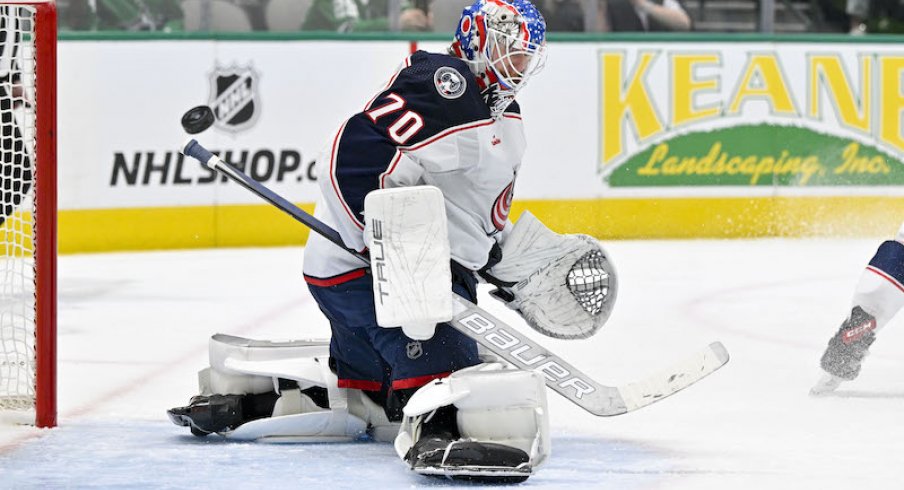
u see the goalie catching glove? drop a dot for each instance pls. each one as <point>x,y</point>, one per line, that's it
<point>564,286</point>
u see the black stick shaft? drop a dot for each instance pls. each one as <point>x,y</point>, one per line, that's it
<point>201,154</point>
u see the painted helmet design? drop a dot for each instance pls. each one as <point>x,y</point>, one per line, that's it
<point>504,41</point>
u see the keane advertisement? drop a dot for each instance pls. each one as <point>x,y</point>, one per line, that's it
<point>627,137</point>
<point>751,115</point>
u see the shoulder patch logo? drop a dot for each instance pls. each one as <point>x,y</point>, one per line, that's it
<point>449,82</point>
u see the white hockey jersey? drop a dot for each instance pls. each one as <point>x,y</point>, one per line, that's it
<point>429,126</point>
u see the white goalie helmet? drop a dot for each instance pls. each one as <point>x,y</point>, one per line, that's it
<point>504,42</point>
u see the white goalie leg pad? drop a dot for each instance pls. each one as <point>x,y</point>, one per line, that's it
<point>241,366</point>
<point>495,404</point>
<point>296,418</point>
<point>407,234</point>
<point>378,425</point>
<point>565,285</point>
<point>245,366</point>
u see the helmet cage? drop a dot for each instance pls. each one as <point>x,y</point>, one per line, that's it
<point>504,40</point>
<point>512,57</point>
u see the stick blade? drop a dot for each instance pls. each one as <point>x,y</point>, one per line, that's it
<point>720,351</point>
<point>675,378</point>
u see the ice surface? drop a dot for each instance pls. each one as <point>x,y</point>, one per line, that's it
<point>133,332</point>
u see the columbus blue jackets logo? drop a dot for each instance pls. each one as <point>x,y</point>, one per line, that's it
<point>502,207</point>
<point>449,82</point>
<point>233,98</point>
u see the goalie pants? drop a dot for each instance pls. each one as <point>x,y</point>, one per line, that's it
<point>889,261</point>
<point>376,359</point>
<point>880,288</point>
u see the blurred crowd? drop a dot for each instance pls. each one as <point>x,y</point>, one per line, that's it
<point>854,16</point>
<point>864,16</point>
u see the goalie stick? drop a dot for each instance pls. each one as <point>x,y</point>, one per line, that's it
<point>505,341</point>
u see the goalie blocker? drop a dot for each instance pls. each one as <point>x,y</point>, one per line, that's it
<point>407,235</point>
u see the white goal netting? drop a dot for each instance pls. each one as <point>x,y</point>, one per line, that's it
<point>17,209</point>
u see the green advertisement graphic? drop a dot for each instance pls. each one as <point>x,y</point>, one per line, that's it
<point>759,155</point>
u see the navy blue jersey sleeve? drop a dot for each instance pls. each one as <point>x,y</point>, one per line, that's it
<point>433,95</point>
<point>513,108</point>
<point>441,90</point>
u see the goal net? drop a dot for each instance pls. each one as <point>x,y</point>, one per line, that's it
<point>28,211</point>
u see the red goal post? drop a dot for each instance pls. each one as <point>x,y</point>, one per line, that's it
<point>28,195</point>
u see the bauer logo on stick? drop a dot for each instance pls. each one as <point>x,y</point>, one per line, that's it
<point>234,98</point>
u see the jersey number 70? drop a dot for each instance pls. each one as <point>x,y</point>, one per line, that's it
<point>405,126</point>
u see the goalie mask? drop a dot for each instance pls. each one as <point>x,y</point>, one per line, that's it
<point>504,42</point>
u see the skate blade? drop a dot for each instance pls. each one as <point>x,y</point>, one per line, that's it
<point>827,384</point>
<point>179,420</point>
<point>485,474</point>
<point>472,471</point>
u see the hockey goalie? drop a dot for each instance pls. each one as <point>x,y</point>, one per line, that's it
<point>421,181</point>
<point>393,371</point>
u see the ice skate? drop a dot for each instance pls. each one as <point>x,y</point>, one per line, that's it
<point>469,460</point>
<point>208,414</point>
<point>846,350</point>
<point>496,430</point>
<point>826,384</point>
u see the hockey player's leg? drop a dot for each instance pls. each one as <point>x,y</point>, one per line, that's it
<point>206,414</point>
<point>878,297</point>
<point>844,355</point>
<point>258,390</point>
<point>484,423</point>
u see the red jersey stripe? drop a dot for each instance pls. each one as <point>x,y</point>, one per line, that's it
<point>417,382</point>
<point>890,279</point>
<point>326,282</point>
<point>360,384</point>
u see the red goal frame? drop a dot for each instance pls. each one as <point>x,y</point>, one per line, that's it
<point>46,222</point>
<point>45,206</point>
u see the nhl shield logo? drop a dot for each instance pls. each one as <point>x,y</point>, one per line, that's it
<point>414,350</point>
<point>233,98</point>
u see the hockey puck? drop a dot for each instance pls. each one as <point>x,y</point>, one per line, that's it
<point>198,119</point>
